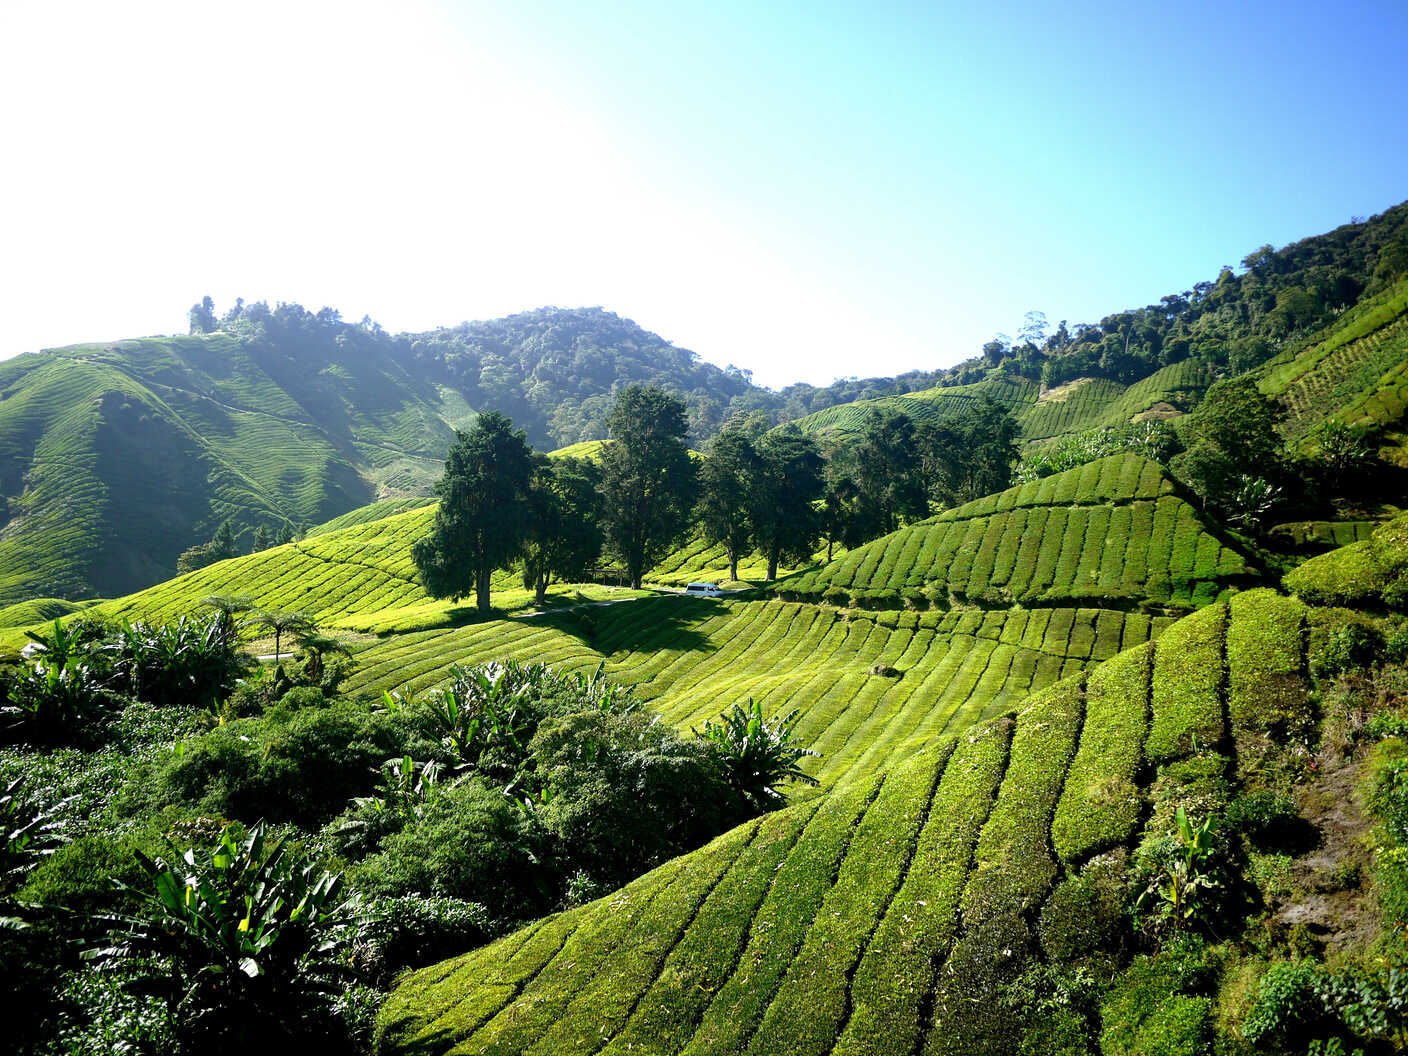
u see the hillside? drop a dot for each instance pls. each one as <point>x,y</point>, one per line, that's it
<point>1113,532</point>
<point>886,915</point>
<point>114,458</point>
<point>1043,414</point>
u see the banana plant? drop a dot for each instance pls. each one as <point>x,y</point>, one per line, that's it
<point>242,929</point>
<point>757,755</point>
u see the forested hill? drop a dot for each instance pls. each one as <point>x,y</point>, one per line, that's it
<point>117,457</point>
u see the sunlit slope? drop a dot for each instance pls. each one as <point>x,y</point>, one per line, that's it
<point>375,511</point>
<point>885,915</point>
<point>115,458</point>
<point>868,684</point>
<point>1356,374</point>
<point>359,577</point>
<point>1112,533</point>
<point>1085,403</point>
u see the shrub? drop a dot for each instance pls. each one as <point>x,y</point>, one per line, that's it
<point>1156,1007</point>
<point>302,766</point>
<point>411,931</point>
<point>195,660</point>
<point>1265,817</point>
<point>240,941</point>
<point>1085,915</point>
<point>1288,1005</point>
<point>1342,641</point>
<point>622,793</point>
<point>756,755</point>
<point>471,842</point>
<point>54,702</point>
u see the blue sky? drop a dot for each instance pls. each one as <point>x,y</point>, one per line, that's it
<point>805,190</point>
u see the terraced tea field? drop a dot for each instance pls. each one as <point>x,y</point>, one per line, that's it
<point>692,658</point>
<point>359,578</point>
<point>886,914</point>
<point>1114,530</point>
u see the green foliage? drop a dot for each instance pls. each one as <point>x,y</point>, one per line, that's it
<point>50,702</point>
<point>1236,446</point>
<point>301,766</point>
<point>483,515</point>
<point>1153,439</point>
<point>239,939</point>
<point>647,479</point>
<point>563,537</point>
<point>724,490</point>
<point>1288,1006</point>
<point>193,660</point>
<point>783,487</point>
<point>1156,1007</point>
<point>1182,890</point>
<point>757,755</point>
<point>27,833</point>
<point>1342,640</point>
<point>470,842</point>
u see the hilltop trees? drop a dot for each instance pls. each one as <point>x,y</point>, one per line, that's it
<point>483,515</point>
<point>888,471</point>
<point>648,478</point>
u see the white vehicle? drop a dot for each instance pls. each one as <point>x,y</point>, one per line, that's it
<point>703,590</point>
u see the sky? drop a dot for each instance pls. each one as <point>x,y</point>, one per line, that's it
<point>806,190</point>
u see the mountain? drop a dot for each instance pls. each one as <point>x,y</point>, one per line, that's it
<point>114,458</point>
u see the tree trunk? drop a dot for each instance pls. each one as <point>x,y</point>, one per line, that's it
<point>481,588</point>
<point>732,566</point>
<point>829,544</point>
<point>542,590</point>
<point>772,567</point>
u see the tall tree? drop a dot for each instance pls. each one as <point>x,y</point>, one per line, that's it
<point>482,519</point>
<point>647,478</point>
<point>968,455</point>
<point>724,482</point>
<point>889,470</point>
<point>564,534</point>
<point>202,317</point>
<point>786,485</point>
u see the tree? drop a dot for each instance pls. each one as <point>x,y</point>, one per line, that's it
<point>1235,436</point>
<point>648,478</point>
<point>202,317</point>
<point>786,483</point>
<point>261,539</point>
<point>889,471</point>
<point>482,519</point>
<point>724,483</point>
<point>294,624</point>
<point>564,533</point>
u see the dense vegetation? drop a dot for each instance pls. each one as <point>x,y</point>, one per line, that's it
<point>1055,769</point>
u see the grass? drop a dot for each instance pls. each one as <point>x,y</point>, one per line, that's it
<point>882,915</point>
<point>1113,530</point>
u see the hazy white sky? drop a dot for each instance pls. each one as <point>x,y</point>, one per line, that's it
<point>805,190</point>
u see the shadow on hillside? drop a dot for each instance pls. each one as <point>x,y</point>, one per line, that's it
<point>639,626</point>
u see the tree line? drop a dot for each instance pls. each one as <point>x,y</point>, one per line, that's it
<point>777,493</point>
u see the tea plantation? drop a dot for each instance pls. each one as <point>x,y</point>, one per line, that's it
<point>1114,531</point>
<point>890,913</point>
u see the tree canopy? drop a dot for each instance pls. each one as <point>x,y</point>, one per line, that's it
<point>648,478</point>
<point>483,516</point>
